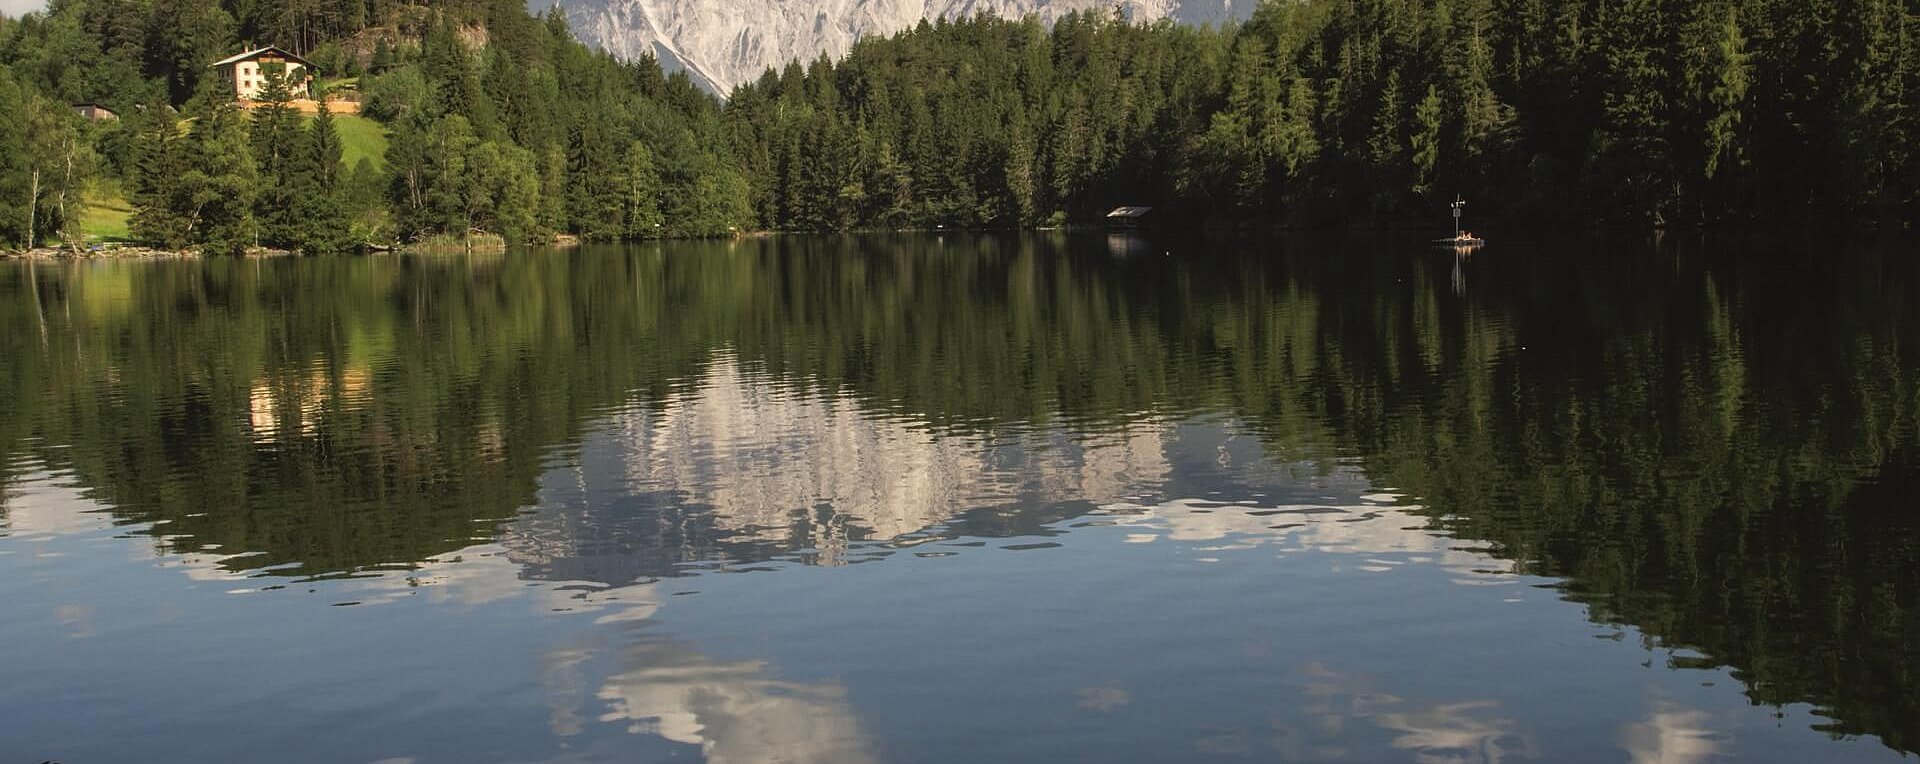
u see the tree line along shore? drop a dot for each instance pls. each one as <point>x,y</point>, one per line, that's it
<point>475,121</point>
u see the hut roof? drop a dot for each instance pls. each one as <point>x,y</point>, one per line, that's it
<point>257,52</point>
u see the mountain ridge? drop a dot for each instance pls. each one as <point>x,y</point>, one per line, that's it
<point>724,43</point>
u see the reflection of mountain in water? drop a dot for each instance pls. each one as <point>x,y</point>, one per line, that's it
<point>737,467</point>
<point>740,467</point>
<point>1714,445</point>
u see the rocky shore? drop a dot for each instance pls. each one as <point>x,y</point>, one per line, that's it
<point>119,251</point>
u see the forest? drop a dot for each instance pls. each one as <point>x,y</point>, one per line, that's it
<point>1323,113</point>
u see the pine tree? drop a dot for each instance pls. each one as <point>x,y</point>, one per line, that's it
<point>187,36</point>
<point>716,201</point>
<point>1022,181</point>
<point>1633,160</point>
<point>220,180</point>
<point>892,189</point>
<point>593,190</point>
<point>161,205</point>
<point>383,58</point>
<point>282,168</point>
<point>324,151</point>
<point>325,227</point>
<point>640,185</point>
<point>1428,118</point>
<point>13,162</point>
<point>1388,144</point>
<point>552,166</point>
<point>1716,92</point>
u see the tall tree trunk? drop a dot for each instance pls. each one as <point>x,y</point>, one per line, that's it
<point>66,187</point>
<point>33,206</point>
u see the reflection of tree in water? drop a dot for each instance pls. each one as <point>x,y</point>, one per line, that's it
<point>328,415</point>
<point>1716,449</point>
<point>1719,463</point>
<point>333,415</point>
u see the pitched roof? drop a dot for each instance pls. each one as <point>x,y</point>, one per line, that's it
<point>258,51</point>
<point>1129,212</point>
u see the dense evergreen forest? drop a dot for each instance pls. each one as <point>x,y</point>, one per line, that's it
<point>1313,113</point>
<point>494,122</point>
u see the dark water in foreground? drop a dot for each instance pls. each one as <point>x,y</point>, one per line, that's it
<point>972,499</point>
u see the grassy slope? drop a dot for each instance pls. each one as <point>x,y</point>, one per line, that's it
<point>361,138</point>
<point>106,214</point>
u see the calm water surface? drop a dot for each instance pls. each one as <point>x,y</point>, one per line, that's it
<point>965,499</point>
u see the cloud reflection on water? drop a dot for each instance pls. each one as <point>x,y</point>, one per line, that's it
<point>786,467</point>
<point>737,712</point>
<point>40,505</point>
<point>1673,735</point>
<point>1446,732</point>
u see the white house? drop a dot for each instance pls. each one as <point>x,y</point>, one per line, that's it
<point>248,72</point>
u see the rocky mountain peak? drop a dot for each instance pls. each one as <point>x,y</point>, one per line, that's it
<point>722,43</point>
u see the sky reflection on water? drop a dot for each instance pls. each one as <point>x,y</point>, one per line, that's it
<point>1079,524</point>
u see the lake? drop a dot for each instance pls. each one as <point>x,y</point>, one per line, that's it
<point>966,498</point>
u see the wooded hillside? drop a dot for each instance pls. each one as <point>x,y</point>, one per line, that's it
<point>1314,113</point>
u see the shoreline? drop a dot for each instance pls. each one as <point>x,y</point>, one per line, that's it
<point>125,252</point>
<point>493,244</point>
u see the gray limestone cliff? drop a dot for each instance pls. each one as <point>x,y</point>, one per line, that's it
<point>723,43</point>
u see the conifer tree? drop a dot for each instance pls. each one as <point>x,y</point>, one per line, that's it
<point>640,184</point>
<point>14,166</point>
<point>552,166</point>
<point>187,36</point>
<point>382,56</point>
<point>1021,175</point>
<point>282,166</point>
<point>593,192</point>
<point>325,227</point>
<point>1428,118</point>
<point>13,163</point>
<point>1388,144</point>
<point>158,193</point>
<point>220,181</point>
<point>324,153</point>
